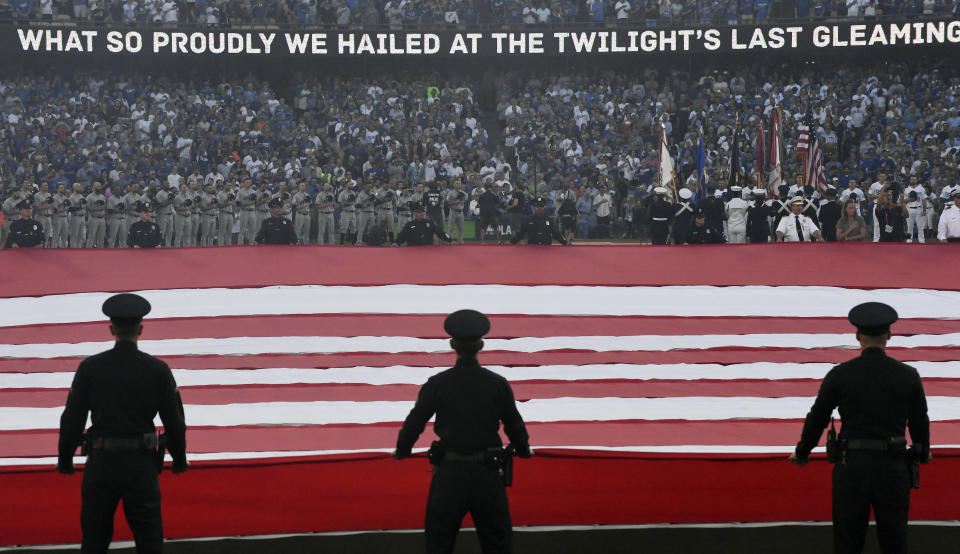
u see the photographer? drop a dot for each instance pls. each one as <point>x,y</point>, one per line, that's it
<point>891,215</point>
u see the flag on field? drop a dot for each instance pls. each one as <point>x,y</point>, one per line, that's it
<point>761,161</point>
<point>667,173</point>
<point>813,172</point>
<point>701,169</point>
<point>642,356</point>
<point>774,179</point>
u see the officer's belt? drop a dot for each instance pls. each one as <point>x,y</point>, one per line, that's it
<point>659,218</point>
<point>455,457</point>
<point>145,442</point>
<point>876,445</point>
<point>914,206</point>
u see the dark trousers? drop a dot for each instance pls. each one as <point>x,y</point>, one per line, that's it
<point>461,487</point>
<point>659,232</point>
<point>109,477</point>
<point>870,479</point>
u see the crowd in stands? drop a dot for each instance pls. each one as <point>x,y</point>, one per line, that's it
<point>561,135</point>
<point>398,14</point>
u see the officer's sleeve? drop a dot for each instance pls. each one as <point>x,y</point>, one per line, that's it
<point>918,421</point>
<point>74,417</point>
<point>171,414</point>
<point>402,236</point>
<point>521,232</point>
<point>819,415</point>
<point>513,424</point>
<point>416,420</point>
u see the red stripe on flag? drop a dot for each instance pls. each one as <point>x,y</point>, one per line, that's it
<point>305,438</point>
<point>431,326</point>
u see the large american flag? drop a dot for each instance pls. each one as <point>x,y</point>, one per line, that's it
<point>286,353</point>
<point>813,171</point>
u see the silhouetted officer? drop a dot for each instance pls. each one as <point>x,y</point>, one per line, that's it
<point>276,229</point>
<point>420,231</point>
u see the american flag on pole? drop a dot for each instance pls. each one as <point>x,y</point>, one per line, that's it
<point>761,161</point>
<point>813,171</point>
<point>803,134</point>
<point>774,179</point>
<point>297,364</point>
<point>667,172</point>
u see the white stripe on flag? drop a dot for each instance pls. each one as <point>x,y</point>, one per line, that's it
<point>240,346</point>
<point>407,375</point>
<point>690,408</point>
<point>766,301</point>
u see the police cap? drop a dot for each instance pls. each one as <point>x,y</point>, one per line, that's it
<point>142,207</point>
<point>25,205</point>
<point>466,325</point>
<point>417,206</point>
<point>275,203</point>
<point>539,202</point>
<point>831,191</point>
<point>126,308</point>
<point>699,213</point>
<point>872,318</point>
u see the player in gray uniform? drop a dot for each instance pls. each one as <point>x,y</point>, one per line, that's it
<point>61,218</point>
<point>11,211</point>
<point>78,211</point>
<point>195,211</point>
<point>404,214</point>
<point>116,219</point>
<point>386,202</point>
<point>365,209</point>
<point>261,202</point>
<point>228,210</point>
<point>456,201</point>
<point>326,205</point>
<point>348,215</point>
<point>43,203</point>
<point>209,210</point>
<point>248,219</point>
<point>301,207</point>
<point>163,204</point>
<point>96,213</point>
<point>182,212</point>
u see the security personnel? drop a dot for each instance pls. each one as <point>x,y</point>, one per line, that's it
<point>538,228</point>
<point>123,389</point>
<point>797,227</point>
<point>144,233</point>
<point>949,228</point>
<point>25,232</point>
<point>661,212</point>
<point>420,231</point>
<point>469,402</point>
<point>712,206</point>
<point>276,229</point>
<point>700,232</point>
<point>877,397</point>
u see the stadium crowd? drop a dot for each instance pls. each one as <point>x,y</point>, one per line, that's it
<point>347,155</point>
<point>398,14</point>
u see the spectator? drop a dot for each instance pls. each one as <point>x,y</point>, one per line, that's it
<point>851,226</point>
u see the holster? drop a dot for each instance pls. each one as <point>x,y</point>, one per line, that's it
<point>834,448</point>
<point>161,450</point>
<point>506,468</point>
<point>915,456</point>
<point>436,452</point>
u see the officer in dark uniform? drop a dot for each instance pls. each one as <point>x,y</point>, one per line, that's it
<point>877,397</point>
<point>700,232</point>
<point>469,402</point>
<point>811,208</point>
<point>713,209</point>
<point>420,231</point>
<point>682,215</point>
<point>538,228</point>
<point>25,232</point>
<point>276,229</point>
<point>123,389</point>
<point>830,212</point>
<point>758,228</point>
<point>661,213</point>
<point>144,233</point>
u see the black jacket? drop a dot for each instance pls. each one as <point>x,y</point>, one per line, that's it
<point>25,233</point>
<point>538,230</point>
<point>420,232</point>
<point>276,230</point>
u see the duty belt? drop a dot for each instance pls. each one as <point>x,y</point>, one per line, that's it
<point>145,442</point>
<point>455,457</point>
<point>660,219</point>
<point>877,445</point>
